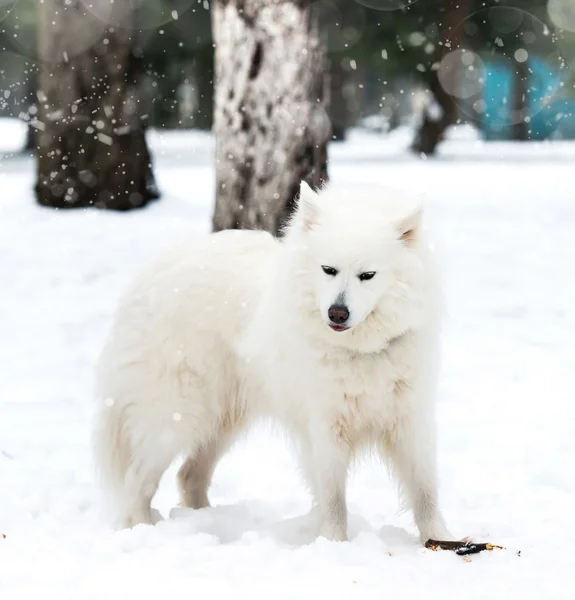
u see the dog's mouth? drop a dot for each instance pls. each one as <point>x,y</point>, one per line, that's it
<point>339,327</point>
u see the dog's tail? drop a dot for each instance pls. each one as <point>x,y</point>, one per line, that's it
<point>111,452</point>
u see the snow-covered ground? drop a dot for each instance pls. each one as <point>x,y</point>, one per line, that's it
<point>504,218</point>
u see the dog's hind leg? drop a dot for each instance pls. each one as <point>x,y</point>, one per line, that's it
<point>131,461</point>
<point>141,484</point>
<point>195,475</point>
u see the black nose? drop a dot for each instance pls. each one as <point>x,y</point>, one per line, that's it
<point>338,314</point>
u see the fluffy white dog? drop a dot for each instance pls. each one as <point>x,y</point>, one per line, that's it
<point>332,331</point>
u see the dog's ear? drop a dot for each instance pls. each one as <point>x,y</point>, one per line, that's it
<point>306,206</point>
<point>410,226</point>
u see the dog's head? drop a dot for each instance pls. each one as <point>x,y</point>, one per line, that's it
<point>361,264</point>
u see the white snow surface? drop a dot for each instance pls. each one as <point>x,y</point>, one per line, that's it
<point>13,134</point>
<point>504,220</point>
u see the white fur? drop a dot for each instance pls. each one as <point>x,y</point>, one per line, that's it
<point>235,327</point>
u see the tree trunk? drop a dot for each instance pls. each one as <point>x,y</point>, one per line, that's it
<point>438,115</point>
<point>519,128</point>
<point>30,140</point>
<point>442,110</point>
<point>270,117</point>
<point>204,77</point>
<point>339,109</point>
<point>91,141</point>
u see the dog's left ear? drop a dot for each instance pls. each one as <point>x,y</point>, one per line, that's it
<point>410,226</point>
<point>306,206</point>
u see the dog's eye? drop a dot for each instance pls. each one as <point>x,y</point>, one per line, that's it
<point>366,276</point>
<point>329,270</point>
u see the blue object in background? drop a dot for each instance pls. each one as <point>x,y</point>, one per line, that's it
<point>548,119</point>
<point>543,82</point>
<point>497,96</point>
<point>564,117</point>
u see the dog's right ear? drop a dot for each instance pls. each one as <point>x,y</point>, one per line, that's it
<point>306,206</point>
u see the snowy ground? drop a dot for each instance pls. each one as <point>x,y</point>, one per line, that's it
<point>505,221</point>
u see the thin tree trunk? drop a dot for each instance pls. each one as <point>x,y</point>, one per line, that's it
<point>339,109</point>
<point>270,117</point>
<point>30,140</point>
<point>31,86</point>
<point>91,141</point>
<point>442,110</point>
<point>519,128</point>
<point>204,78</point>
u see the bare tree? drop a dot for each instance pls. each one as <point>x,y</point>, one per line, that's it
<point>270,117</point>
<point>91,142</point>
<point>519,127</point>
<point>442,110</point>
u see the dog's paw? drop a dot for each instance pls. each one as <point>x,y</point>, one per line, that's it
<point>156,516</point>
<point>333,533</point>
<point>437,531</point>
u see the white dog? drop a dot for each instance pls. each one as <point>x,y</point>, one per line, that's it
<point>333,331</point>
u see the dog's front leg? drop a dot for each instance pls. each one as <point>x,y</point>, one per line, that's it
<point>412,452</point>
<point>330,456</point>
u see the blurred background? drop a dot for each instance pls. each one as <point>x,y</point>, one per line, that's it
<point>207,114</point>
<point>518,63</point>
<point>87,82</point>
<point>84,82</point>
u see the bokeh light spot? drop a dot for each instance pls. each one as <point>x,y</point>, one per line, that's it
<point>562,14</point>
<point>521,55</point>
<point>461,73</point>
